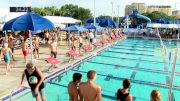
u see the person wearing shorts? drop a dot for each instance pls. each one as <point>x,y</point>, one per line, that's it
<point>53,54</point>
<point>24,47</point>
<point>36,47</point>
<point>35,79</point>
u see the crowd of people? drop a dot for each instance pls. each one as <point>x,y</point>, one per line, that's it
<point>50,39</point>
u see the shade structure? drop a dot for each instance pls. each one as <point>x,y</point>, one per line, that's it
<point>157,25</point>
<point>74,28</point>
<point>107,23</point>
<point>62,20</point>
<point>93,27</point>
<point>162,21</point>
<point>29,21</point>
<point>91,20</point>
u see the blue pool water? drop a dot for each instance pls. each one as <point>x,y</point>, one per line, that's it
<point>135,59</point>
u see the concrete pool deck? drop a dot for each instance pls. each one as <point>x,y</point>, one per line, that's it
<point>9,82</point>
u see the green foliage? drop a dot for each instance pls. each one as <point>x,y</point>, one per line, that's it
<point>154,15</point>
<point>68,10</point>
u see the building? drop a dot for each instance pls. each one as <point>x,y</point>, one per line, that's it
<point>139,6</point>
<point>176,13</point>
<point>165,9</point>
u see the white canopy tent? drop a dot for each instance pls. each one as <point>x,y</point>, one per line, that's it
<point>62,20</point>
<point>157,25</point>
<point>6,15</point>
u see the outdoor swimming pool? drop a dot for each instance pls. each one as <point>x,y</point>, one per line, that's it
<point>135,59</point>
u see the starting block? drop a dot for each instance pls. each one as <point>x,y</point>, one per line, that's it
<point>53,61</point>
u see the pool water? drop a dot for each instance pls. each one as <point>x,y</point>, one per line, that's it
<point>135,59</point>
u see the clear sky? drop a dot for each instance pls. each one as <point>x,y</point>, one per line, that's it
<point>103,7</point>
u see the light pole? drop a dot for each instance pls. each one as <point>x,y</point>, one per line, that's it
<point>118,14</point>
<point>112,3</point>
<point>94,13</point>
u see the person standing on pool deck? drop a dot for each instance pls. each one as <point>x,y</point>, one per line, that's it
<point>35,79</point>
<point>88,90</point>
<point>6,53</point>
<point>123,94</point>
<point>53,48</point>
<point>24,47</point>
<point>53,51</point>
<point>73,90</point>
<point>11,44</point>
<point>35,44</point>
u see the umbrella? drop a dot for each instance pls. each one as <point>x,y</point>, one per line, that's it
<point>91,20</point>
<point>74,28</point>
<point>29,21</point>
<point>107,23</point>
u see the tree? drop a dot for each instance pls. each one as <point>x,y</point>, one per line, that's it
<point>68,10</point>
<point>154,15</point>
<point>76,12</point>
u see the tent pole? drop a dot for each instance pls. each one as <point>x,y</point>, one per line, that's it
<point>30,36</point>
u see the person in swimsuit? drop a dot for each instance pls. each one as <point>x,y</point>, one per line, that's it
<point>24,47</point>
<point>73,39</point>
<point>6,53</point>
<point>53,52</point>
<point>36,47</point>
<point>88,90</point>
<point>53,48</point>
<point>155,96</point>
<point>123,94</point>
<point>80,43</point>
<point>73,90</point>
<point>11,43</point>
<point>35,79</point>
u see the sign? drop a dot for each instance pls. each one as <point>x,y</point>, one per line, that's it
<point>20,9</point>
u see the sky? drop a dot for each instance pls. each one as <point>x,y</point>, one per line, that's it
<point>103,7</point>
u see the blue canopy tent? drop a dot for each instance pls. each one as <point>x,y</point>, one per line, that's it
<point>74,28</point>
<point>162,21</point>
<point>136,19</point>
<point>91,20</point>
<point>30,22</point>
<point>107,23</point>
<point>93,27</point>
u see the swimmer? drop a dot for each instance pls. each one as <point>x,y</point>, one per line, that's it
<point>88,90</point>
<point>24,47</point>
<point>7,53</point>
<point>73,90</point>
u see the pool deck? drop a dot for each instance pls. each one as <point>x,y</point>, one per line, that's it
<point>10,82</point>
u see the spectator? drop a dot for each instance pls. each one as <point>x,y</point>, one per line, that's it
<point>73,90</point>
<point>88,90</point>
<point>123,94</point>
<point>155,95</point>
